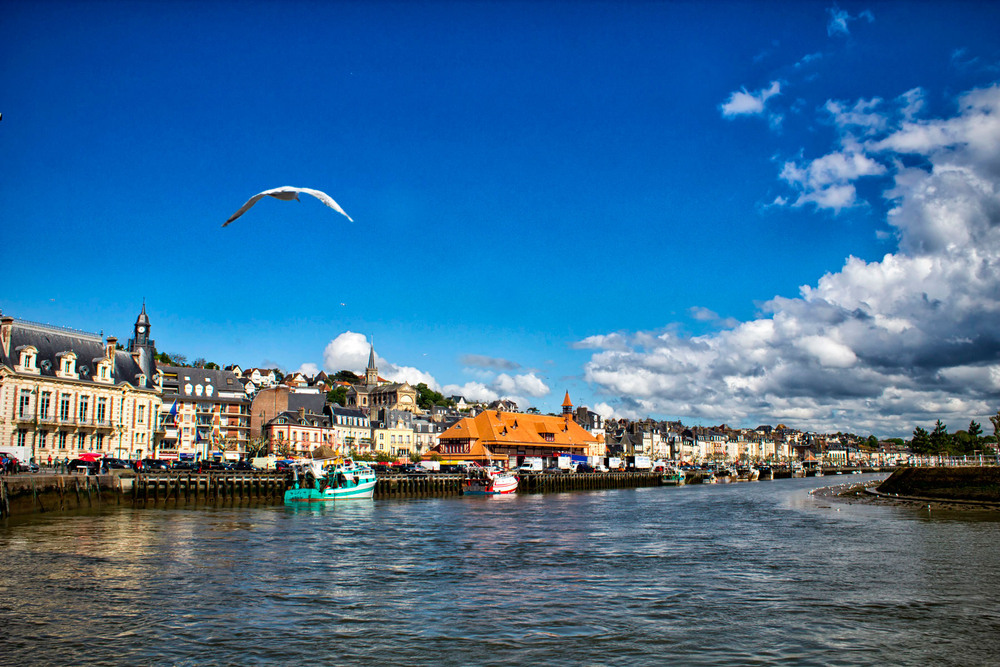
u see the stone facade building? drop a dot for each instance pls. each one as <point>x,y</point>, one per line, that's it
<point>64,392</point>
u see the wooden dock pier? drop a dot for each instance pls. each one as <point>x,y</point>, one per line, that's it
<point>177,488</point>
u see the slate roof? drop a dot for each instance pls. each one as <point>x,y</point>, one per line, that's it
<point>311,402</point>
<point>51,342</point>
<point>222,382</point>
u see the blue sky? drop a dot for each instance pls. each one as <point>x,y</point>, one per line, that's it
<point>604,198</point>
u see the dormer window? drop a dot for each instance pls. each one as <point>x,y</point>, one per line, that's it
<point>67,365</point>
<point>27,359</point>
<point>141,380</point>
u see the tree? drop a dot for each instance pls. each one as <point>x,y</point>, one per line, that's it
<point>427,397</point>
<point>346,376</point>
<point>337,395</point>
<point>873,441</point>
<point>920,444</point>
<point>975,434</point>
<point>995,420</point>
<point>940,440</point>
<point>172,359</point>
<point>257,447</point>
<point>532,411</point>
<point>212,366</point>
<point>962,443</point>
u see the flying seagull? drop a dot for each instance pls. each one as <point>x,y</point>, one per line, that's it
<point>288,193</point>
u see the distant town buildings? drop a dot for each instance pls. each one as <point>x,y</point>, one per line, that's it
<point>64,392</point>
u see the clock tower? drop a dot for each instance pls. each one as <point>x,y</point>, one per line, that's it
<point>142,345</point>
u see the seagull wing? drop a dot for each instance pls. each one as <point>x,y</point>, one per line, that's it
<point>287,193</point>
<point>326,199</point>
<point>246,207</point>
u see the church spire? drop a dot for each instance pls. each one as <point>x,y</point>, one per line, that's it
<point>371,372</point>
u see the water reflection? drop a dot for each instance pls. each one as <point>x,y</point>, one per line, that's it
<point>742,573</point>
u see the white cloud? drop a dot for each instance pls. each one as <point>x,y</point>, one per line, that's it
<point>839,19</point>
<point>349,351</point>
<point>862,116</point>
<point>472,391</point>
<point>528,384</point>
<point>878,346</point>
<point>828,181</point>
<point>308,369</point>
<point>744,103</point>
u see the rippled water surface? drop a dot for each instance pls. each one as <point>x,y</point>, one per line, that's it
<point>718,575</point>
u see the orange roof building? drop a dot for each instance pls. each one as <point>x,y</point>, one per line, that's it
<point>505,437</point>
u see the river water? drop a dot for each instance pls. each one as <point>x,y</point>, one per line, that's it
<point>755,573</point>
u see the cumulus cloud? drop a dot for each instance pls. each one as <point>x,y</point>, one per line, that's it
<point>471,391</point>
<point>308,369</point>
<point>839,20</point>
<point>349,351</point>
<point>877,346</point>
<point>828,181</point>
<point>745,103</point>
<point>519,388</point>
<point>702,314</point>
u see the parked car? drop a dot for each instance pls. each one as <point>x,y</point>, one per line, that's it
<point>215,466</point>
<point>554,470</point>
<point>244,464</point>
<point>154,464</point>
<point>117,464</point>
<point>84,467</point>
<point>383,469</point>
<point>184,465</point>
<point>585,467</point>
<point>412,470</point>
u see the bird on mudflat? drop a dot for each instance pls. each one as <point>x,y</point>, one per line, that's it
<point>288,193</point>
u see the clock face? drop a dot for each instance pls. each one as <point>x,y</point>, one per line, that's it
<point>141,329</point>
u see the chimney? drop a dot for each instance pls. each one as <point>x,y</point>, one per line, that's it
<point>6,326</point>
<point>109,347</point>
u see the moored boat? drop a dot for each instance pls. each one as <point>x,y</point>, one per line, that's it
<point>346,481</point>
<point>673,477</point>
<point>489,482</point>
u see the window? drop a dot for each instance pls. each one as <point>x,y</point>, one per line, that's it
<point>62,439</point>
<point>81,441</point>
<point>24,404</point>
<point>141,417</point>
<point>102,405</point>
<point>22,437</point>
<point>84,404</point>
<point>41,439</point>
<point>43,405</point>
<point>64,407</point>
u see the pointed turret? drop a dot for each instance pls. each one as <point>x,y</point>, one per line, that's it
<point>567,405</point>
<point>371,372</point>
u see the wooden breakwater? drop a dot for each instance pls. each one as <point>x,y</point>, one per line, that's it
<point>28,494</point>
<point>549,482</point>
<point>977,484</point>
<point>402,486</point>
<point>31,494</point>
<point>178,488</point>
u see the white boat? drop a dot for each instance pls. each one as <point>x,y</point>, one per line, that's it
<point>489,482</point>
